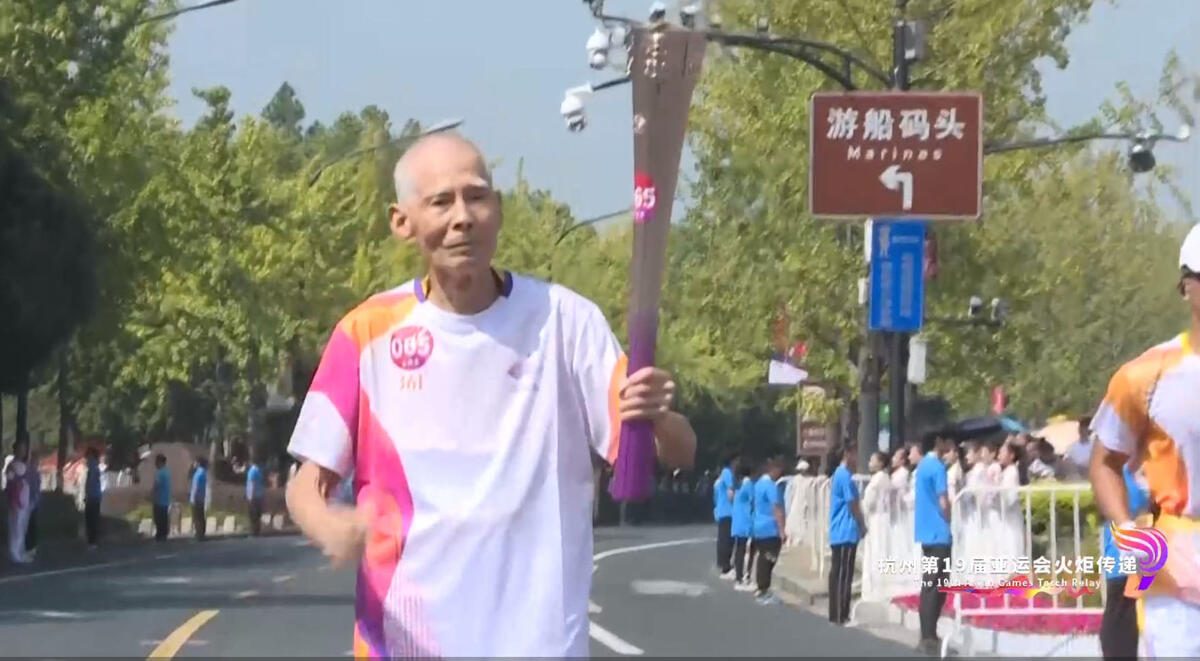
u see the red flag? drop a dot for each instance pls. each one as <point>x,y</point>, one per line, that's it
<point>999,400</point>
<point>798,352</point>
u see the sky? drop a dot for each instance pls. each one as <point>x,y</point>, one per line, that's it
<point>503,67</point>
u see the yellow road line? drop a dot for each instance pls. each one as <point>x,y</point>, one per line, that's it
<point>170,645</point>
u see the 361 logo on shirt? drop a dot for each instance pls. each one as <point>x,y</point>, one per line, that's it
<point>411,347</point>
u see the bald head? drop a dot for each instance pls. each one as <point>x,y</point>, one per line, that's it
<point>432,148</point>
<point>446,205</point>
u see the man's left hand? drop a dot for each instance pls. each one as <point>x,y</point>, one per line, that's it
<point>646,394</point>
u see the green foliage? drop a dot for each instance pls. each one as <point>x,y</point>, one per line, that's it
<point>284,111</point>
<point>1063,506</point>
<point>1063,511</point>
<point>46,255</point>
<point>222,267</point>
<point>1068,238</point>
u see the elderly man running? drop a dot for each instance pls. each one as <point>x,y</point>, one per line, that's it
<point>467,404</point>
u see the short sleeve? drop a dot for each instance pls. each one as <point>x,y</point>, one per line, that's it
<point>851,489</point>
<point>939,481</point>
<point>1120,421</point>
<point>327,426</point>
<point>600,368</point>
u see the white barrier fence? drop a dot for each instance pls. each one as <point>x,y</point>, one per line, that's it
<point>989,524</point>
<point>995,525</point>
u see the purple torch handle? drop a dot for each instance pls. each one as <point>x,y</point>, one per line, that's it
<point>633,476</point>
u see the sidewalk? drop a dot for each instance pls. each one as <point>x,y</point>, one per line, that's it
<point>799,586</point>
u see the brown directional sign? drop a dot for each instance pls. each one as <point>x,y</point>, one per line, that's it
<point>896,155</point>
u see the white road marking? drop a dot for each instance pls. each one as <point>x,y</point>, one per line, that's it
<point>246,594</point>
<point>303,542</point>
<point>164,556</point>
<point>283,579</point>
<point>169,580</point>
<point>612,641</point>
<point>605,637</point>
<point>646,547</point>
<point>594,607</point>
<point>68,570</point>
<point>56,615</point>
<point>669,588</point>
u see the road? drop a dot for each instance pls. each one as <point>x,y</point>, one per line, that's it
<point>654,594</point>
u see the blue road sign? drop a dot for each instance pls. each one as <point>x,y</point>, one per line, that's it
<point>897,301</point>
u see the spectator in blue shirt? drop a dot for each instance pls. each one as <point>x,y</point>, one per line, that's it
<point>767,527</point>
<point>197,497</point>
<point>162,498</point>
<point>931,519</point>
<point>723,514</point>
<point>743,511</point>
<point>1118,627</point>
<point>256,491</point>
<point>92,491</point>
<point>846,527</point>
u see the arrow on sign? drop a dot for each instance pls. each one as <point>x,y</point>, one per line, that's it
<point>894,179</point>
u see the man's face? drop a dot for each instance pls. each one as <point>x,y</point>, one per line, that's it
<point>453,215</point>
<point>945,447</point>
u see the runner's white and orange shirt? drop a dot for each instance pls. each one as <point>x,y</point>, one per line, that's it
<point>470,440</point>
<point>1151,413</point>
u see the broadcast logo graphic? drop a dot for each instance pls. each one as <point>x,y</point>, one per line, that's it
<point>1150,547</point>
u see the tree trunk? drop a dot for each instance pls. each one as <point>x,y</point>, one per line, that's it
<point>64,419</point>
<point>23,413</point>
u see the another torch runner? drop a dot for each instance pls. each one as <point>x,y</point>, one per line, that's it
<point>664,67</point>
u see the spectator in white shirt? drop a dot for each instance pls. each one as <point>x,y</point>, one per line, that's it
<point>1047,465</point>
<point>1079,455</point>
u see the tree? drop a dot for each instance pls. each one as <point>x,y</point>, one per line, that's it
<point>749,246</point>
<point>284,111</point>
<point>47,267</point>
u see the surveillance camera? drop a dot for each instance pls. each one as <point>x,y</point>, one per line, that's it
<point>763,25</point>
<point>1184,133</point>
<point>1141,159</point>
<point>573,114</point>
<point>974,307</point>
<point>687,16</point>
<point>658,12</point>
<point>597,48</point>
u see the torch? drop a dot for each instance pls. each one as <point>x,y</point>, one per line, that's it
<point>664,66</point>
